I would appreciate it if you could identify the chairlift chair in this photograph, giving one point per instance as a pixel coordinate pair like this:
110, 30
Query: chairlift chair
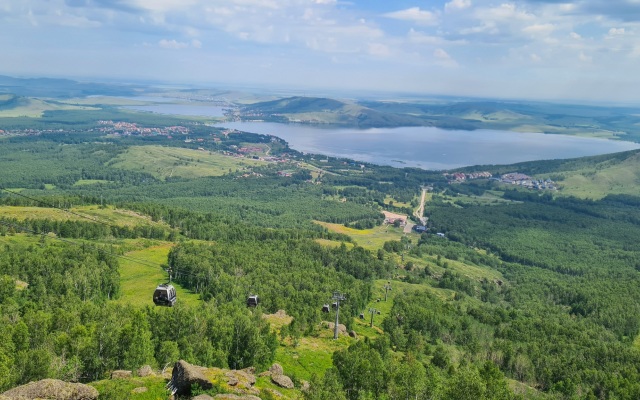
326, 308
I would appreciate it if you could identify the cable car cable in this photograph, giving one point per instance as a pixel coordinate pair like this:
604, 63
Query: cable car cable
59, 208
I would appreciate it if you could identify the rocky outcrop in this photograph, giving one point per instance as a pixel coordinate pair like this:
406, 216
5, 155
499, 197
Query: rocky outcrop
353, 334
184, 376
240, 378
121, 374
276, 369
52, 389
342, 329
145, 371
140, 389
202, 397
278, 377
232, 397
283, 381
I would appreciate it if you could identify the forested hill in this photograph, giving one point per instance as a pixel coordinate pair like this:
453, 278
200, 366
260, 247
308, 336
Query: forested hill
505, 293
326, 111
607, 122
62, 88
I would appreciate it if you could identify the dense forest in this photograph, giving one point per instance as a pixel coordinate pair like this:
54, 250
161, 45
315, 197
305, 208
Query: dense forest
509, 293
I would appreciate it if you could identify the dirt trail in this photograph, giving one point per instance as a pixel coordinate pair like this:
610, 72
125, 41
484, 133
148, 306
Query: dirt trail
419, 213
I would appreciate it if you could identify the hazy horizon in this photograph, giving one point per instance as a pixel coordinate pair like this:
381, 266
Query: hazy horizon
581, 51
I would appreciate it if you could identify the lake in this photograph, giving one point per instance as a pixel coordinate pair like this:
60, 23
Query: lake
180, 109
433, 148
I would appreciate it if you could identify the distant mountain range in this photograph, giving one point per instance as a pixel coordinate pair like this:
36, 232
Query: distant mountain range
62, 88
605, 122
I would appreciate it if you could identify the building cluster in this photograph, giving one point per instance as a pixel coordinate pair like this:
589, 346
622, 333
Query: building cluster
516, 178
250, 149
128, 128
461, 176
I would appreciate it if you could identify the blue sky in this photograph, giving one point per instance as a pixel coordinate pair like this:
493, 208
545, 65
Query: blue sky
585, 50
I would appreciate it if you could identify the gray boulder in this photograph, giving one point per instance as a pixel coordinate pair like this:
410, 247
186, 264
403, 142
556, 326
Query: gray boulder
276, 369
203, 397
121, 374
283, 381
145, 371
52, 389
186, 375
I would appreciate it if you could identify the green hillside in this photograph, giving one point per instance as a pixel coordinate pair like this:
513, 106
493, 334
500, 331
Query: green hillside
590, 121
509, 293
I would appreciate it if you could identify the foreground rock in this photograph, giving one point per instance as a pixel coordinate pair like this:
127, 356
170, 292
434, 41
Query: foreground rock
283, 381
186, 375
342, 329
145, 371
52, 389
203, 397
233, 397
121, 374
276, 369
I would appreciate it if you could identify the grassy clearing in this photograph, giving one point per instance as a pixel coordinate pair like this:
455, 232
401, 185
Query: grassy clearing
391, 201
371, 239
34, 108
311, 354
164, 162
85, 182
138, 281
332, 243
124, 388
19, 238
597, 181
110, 215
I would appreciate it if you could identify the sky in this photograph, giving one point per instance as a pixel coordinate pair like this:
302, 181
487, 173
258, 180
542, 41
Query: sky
587, 50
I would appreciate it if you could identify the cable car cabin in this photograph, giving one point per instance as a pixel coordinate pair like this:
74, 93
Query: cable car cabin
165, 295
252, 301
325, 308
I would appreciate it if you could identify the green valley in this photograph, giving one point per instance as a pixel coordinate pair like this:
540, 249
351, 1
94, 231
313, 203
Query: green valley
505, 293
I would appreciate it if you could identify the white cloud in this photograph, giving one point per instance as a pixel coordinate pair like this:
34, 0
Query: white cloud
172, 44
421, 38
379, 50
575, 36
454, 5
535, 58
616, 31
414, 14
504, 12
539, 29
443, 58
584, 58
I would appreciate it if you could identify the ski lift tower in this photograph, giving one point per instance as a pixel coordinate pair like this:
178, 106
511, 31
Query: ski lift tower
338, 297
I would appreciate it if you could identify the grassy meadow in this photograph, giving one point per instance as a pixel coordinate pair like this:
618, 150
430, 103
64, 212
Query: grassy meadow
370, 239
138, 281
34, 108
166, 162
108, 214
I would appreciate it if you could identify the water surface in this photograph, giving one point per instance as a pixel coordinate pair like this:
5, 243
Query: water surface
433, 148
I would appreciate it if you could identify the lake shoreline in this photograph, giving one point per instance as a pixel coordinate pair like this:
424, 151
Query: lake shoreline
432, 148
